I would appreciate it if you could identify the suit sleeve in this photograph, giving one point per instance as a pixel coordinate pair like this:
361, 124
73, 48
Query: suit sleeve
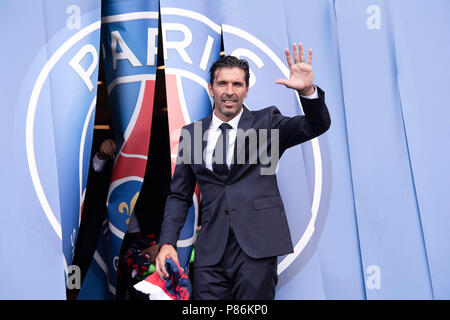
298, 129
179, 200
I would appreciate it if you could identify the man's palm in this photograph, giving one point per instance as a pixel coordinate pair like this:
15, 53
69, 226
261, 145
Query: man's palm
301, 73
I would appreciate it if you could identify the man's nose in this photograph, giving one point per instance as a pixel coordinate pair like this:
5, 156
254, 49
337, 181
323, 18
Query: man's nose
229, 89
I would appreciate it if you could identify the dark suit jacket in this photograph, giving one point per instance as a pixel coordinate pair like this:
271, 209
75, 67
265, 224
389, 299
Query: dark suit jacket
245, 200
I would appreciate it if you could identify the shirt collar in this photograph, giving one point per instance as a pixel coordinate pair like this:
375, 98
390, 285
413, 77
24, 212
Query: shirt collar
216, 122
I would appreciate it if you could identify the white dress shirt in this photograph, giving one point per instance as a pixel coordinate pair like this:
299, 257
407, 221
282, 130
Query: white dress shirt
98, 163
214, 133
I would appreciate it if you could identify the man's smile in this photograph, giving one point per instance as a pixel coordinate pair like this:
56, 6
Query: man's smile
227, 101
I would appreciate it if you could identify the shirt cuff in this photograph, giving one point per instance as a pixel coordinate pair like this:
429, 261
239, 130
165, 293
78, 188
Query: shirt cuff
315, 95
98, 163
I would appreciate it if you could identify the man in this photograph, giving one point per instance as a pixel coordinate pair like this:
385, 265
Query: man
244, 227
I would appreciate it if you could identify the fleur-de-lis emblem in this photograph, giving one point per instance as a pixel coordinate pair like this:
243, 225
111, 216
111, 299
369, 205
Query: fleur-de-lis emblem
129, 210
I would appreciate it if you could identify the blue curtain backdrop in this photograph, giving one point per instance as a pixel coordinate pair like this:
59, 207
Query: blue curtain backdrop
49, 88
372, 238
367, 202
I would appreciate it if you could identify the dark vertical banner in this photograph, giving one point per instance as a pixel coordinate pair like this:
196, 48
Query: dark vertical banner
129, 38
191, 42
50, 95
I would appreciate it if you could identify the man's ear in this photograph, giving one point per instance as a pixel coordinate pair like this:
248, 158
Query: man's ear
210, 90
246, 92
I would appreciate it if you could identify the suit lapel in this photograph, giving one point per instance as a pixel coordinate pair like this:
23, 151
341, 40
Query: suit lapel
240, 148
206, 123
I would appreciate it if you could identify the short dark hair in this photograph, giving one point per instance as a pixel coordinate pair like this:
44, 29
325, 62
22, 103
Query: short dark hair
230, 62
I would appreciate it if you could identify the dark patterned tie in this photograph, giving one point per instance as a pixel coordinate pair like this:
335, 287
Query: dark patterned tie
219, 163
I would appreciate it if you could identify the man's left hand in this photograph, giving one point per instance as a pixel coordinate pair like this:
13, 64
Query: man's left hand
301, 73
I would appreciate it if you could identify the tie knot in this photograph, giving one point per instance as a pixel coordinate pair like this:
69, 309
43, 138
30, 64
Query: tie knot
224, 126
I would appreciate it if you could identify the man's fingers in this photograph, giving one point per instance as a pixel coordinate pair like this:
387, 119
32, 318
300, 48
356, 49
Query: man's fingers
110, 148
174, 257
166, 251
113, 149
288, 57
302, 55
299, 55
310, 55
112, 152
282, 81
157, 268
295, 53
109, 152
107, 149
112, 145
160, 267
